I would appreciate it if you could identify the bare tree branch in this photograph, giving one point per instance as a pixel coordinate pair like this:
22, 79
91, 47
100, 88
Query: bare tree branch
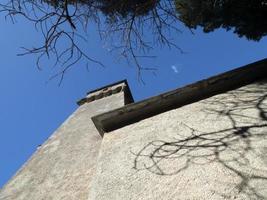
137, 26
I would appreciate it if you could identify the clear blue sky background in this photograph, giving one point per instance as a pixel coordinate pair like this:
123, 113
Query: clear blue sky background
31, 109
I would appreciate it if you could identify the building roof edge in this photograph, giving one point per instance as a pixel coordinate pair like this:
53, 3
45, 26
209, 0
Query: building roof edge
191, 93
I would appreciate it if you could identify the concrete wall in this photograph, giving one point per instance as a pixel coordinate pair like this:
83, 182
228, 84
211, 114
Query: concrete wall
213, 149
63, 167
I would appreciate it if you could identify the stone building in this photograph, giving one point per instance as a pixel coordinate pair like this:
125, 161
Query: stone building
207, 140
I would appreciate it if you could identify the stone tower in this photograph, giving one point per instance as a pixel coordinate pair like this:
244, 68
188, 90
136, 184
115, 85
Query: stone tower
62, 168
206, 140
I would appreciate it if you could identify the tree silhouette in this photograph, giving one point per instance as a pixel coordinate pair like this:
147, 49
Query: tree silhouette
245, 17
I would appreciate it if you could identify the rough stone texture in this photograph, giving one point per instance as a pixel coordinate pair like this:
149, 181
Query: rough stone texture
212, 149
63, 167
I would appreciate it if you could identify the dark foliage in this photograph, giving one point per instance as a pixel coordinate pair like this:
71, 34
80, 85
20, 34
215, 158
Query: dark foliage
113, 8
125, 8
246, 17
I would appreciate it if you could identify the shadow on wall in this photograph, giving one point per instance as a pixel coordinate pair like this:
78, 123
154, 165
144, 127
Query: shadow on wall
237, 143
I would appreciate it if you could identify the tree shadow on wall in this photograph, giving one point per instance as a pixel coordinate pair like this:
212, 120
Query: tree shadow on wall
236, 140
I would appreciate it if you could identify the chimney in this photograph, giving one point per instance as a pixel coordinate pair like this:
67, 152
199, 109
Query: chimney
109, 90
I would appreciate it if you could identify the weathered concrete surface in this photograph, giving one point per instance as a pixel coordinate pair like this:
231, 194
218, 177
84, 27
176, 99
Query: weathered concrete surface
212, 149
62, 168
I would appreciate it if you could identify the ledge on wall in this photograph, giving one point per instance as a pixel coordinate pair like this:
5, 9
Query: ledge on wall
224, 82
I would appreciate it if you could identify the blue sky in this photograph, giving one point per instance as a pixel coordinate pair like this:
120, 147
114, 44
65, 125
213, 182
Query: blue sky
32, 108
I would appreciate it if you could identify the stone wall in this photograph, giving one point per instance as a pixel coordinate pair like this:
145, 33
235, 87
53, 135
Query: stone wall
212, 149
